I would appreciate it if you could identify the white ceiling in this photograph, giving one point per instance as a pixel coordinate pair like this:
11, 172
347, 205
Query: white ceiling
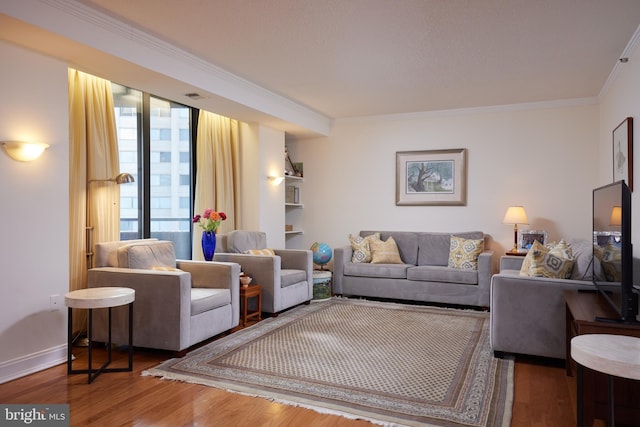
351, 58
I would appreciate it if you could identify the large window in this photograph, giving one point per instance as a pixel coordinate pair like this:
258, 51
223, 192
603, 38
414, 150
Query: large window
154, 140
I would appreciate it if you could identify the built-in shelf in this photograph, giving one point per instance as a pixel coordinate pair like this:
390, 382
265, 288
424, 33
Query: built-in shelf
293, 210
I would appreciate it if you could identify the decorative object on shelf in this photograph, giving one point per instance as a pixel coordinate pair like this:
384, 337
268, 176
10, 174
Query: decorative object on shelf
434, 177
623, 152
24, 151
321, 254
515, 215
209, 221
290, 167
527, 237
245, 280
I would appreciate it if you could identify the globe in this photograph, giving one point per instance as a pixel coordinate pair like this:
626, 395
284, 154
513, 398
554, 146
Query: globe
321, 253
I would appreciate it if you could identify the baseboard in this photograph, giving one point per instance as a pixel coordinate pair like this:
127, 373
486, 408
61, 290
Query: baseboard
31, 363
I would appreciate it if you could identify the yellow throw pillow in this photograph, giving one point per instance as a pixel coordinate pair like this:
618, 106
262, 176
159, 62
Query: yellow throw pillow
267, 252
463, 253
385, 252
362, 247
556, 262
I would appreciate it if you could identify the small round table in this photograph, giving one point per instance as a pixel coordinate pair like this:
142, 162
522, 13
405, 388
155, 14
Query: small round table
322, 285
614, 355
91, 298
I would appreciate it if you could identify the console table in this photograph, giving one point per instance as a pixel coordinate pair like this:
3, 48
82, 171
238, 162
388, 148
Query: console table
581, 310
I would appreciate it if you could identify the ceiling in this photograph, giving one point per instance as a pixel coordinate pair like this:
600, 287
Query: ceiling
352, 58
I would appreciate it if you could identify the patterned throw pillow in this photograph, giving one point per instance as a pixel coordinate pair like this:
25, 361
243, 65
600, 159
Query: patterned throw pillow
163, 268
267, 252
556, 262
385, 252
361, 247
463, 253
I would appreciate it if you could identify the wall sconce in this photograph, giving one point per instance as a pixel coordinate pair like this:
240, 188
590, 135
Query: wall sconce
276, 180
515, 215
24, 151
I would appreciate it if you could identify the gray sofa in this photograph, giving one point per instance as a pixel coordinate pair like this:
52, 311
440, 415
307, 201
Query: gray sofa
424, 276
528, 313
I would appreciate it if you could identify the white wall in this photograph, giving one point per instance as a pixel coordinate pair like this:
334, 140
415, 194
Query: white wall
542, 158
34, 215
622, 100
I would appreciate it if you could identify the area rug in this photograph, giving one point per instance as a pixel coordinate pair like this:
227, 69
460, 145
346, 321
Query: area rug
391, 364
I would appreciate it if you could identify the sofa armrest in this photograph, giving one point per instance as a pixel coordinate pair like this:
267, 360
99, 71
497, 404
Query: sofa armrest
341, 256
207, 274
511, 262
485, 271
528, 314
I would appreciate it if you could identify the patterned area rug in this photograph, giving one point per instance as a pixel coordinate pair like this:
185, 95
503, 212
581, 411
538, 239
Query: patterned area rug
391, 364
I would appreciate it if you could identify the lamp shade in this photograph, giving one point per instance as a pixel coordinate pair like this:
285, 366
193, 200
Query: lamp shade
616, 216
24, 151
515, 215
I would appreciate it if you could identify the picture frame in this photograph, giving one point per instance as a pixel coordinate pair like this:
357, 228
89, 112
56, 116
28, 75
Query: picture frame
623, 152
431, 177
527, 237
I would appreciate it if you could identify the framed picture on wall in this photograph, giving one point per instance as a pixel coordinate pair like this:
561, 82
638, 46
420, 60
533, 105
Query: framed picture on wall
623, 152
433, 177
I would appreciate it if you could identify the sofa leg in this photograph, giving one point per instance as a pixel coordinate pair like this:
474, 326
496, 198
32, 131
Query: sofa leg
498, 354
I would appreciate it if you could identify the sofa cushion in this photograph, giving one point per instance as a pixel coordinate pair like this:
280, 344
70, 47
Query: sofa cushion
463, 253
556, 262
407, 242
239, 241
205, 299
385, 271
157, 253
584, 268
290, 277
385, 252
433, 248
428, 273
361, 247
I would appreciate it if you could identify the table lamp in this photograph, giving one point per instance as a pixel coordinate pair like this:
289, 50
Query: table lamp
515, 215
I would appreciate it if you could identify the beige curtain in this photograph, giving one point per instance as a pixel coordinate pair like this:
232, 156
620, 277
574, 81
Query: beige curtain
218, 165
93, 155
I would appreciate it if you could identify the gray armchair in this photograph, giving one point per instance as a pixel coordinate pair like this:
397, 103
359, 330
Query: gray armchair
286, 278
178, 303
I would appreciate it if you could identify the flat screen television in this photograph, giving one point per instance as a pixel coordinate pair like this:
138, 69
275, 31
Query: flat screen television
613, 250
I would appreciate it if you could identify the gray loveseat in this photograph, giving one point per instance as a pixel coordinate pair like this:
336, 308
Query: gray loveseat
424, 276
528, 313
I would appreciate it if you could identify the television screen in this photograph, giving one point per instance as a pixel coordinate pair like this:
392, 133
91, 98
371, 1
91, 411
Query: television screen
612, 248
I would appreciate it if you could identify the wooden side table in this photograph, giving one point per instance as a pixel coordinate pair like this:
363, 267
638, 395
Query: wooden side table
246, 292
614, 355
91, 298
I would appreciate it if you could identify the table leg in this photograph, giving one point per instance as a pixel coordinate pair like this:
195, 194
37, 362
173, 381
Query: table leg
69, 338
131, 336
612, 408
580, 405
90, 337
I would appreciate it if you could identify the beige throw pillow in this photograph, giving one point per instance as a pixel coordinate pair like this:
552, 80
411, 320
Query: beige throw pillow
463, 253
362, 247
385, 252
267, 252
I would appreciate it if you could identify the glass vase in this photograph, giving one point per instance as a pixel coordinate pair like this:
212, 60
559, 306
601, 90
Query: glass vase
208, 244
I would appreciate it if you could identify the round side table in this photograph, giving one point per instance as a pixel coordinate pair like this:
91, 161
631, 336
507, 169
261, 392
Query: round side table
614, 355
322, 285
90, 299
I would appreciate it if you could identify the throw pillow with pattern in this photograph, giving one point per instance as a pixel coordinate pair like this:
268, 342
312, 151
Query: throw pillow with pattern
464, 253
362, 247
556, 262
267, 252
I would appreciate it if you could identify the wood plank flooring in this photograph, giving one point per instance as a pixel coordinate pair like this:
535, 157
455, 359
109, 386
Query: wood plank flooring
544, 397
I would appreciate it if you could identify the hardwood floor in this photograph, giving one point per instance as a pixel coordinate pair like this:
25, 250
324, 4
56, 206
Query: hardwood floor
544, 397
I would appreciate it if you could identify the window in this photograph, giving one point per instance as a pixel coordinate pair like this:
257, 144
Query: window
159, 131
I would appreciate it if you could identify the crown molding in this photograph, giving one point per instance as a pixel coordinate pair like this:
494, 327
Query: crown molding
626, 53
107, 34
562, 103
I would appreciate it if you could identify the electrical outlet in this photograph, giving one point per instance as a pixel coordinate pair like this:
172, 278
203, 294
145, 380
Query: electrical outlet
55, 302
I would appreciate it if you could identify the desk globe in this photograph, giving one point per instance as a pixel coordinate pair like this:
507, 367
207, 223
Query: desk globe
321, 254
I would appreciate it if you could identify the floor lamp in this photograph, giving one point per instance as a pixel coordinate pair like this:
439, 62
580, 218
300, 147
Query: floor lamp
122, 178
